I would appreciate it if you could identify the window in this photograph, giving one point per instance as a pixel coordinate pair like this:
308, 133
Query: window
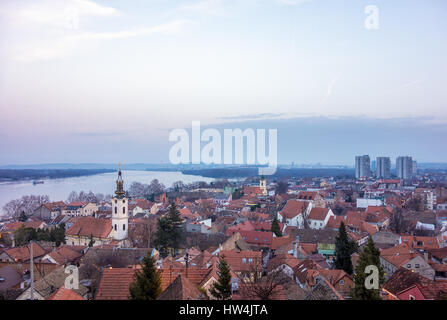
124, 201
244, 260
408, 265
342, 282
417, 265
116, 209
124, 227
115, 227
124, 209
256, 238
250, 260
412, 297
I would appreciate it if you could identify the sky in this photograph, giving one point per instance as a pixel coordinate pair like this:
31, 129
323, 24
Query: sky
106, 81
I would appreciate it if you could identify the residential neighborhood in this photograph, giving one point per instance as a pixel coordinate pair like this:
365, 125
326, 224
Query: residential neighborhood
294, 239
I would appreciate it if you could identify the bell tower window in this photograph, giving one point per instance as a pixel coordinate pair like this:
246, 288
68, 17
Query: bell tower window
116, 210
124, 209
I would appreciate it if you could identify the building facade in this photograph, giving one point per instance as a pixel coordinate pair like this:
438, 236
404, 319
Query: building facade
362, 167
383, 169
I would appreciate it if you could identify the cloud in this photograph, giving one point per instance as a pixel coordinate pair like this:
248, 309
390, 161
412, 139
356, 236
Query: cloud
292, 2
68, 43
330, 88
209, 7
64, 14
255, 116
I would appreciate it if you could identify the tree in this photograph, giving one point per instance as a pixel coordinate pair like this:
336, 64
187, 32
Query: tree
169, 233
237, 194
254, 285
221, 289
23, 236
398, 223
415, 203
276, 229
370, 256
344, 248
92, 241
23, 217
25, 204
281, 187
147, 281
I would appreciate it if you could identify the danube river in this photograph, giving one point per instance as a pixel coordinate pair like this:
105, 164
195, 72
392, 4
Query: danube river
59, 189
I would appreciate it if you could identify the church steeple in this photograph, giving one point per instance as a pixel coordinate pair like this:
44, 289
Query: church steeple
119, 184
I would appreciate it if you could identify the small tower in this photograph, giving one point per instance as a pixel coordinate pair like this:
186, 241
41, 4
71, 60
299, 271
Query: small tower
263, 185
120, 210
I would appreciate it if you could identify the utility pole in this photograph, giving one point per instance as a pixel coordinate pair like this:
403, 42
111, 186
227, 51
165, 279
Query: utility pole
32, 271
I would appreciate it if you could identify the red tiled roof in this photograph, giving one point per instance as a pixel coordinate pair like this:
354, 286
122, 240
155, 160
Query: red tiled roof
65, 294
89, 226
22, 254
114, 283
236, 262
261, 238
293, 208
318, 213
64, 254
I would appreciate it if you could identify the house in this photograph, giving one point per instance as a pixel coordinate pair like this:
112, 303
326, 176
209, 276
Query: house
284, 263
420, 243
319, 217
79, 208
64, 255
403, 256
244, 264
182, 289
294, 212
407, 285
49, 211
65, 294
114, 282
22, 254
313, 196
257, 238
87, 228
47, 286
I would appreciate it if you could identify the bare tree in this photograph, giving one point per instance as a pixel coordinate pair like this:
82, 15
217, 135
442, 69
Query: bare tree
398, 223
256, 284
25, 204
143, 234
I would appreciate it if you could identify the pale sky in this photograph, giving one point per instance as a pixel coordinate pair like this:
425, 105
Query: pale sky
103, 81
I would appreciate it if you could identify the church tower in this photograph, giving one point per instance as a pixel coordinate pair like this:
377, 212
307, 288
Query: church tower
120, 210
263, 185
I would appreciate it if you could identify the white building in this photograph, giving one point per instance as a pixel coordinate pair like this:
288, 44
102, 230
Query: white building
120, 211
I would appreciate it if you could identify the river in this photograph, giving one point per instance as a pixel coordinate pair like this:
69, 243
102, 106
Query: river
59, 189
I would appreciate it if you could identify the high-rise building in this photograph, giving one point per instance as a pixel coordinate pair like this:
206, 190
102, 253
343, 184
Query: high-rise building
362, 167
415, 168
404, 167
383, 169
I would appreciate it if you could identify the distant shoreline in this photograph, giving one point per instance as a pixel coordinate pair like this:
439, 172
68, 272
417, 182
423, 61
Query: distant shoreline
25, 175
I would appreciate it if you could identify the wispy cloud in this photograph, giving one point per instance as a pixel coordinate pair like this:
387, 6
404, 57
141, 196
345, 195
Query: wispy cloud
66, 44
209, 7
292, 2
330, 88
